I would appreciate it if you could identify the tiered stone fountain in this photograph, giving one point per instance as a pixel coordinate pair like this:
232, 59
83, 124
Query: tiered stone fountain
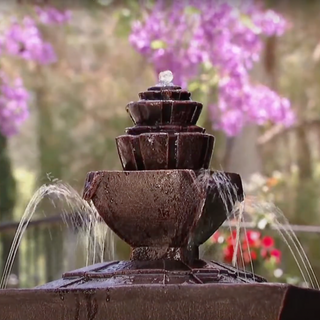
164, 204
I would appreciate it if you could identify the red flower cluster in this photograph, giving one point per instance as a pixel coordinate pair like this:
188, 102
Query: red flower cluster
251, 246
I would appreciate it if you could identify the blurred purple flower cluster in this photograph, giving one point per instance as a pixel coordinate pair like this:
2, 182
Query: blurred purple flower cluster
50, 15
23, 39
187, 35
13, 105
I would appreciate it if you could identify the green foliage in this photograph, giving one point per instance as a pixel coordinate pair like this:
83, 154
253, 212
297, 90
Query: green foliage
7, 183
191, 10
125, 14
25, 185
7, 197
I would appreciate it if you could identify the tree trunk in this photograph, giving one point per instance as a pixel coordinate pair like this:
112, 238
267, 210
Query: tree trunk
7, 201
244, 157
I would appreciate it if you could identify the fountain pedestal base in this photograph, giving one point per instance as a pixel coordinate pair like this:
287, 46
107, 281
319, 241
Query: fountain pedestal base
159, 302
158, 290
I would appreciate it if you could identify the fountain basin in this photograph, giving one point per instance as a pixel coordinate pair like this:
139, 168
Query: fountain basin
147, 208
160, 209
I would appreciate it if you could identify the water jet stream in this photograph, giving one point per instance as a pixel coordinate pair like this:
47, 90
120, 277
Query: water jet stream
273, 215
77, 215
227, 192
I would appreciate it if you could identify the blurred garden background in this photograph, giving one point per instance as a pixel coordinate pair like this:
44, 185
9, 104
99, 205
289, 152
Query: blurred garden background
69, 68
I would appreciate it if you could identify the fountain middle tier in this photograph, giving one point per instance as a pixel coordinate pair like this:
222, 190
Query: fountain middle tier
162, 210
161, 150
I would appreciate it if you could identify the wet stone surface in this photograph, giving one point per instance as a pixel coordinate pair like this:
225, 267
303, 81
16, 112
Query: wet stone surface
119, 273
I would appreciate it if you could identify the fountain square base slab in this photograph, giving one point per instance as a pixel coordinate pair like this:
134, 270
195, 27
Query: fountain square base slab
161, 302
160, 290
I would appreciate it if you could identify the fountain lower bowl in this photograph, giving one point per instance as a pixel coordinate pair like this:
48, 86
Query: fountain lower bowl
147, 208
160, 209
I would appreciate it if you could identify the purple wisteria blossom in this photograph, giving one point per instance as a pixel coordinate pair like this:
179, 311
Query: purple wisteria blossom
50, 15
187, 35
163, 37
13, 105
24, 40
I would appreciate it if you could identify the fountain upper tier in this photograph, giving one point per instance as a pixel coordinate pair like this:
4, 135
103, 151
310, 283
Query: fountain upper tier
165, 105
165, 135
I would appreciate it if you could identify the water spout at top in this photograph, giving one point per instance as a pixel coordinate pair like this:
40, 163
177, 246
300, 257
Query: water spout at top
165, 78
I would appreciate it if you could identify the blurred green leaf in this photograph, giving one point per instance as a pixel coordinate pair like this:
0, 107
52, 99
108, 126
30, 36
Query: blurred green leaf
190, 10
105, 2
193, 86
247, 21
124, 21
158, 44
